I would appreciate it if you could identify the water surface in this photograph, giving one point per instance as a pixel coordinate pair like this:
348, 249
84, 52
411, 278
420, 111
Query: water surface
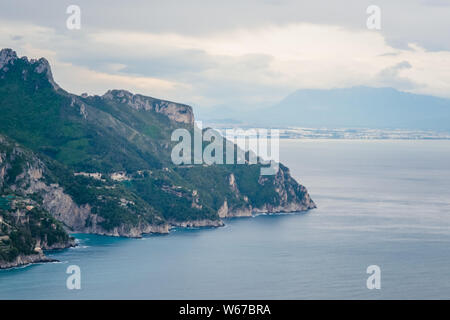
379, 202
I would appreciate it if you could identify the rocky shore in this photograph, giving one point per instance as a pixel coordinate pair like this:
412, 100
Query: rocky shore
23, 260
38, 257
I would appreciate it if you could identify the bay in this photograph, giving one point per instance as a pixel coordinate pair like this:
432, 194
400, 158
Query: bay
380, 202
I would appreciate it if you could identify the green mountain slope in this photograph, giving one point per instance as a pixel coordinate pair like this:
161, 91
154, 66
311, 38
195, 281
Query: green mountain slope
106, 159
26, 227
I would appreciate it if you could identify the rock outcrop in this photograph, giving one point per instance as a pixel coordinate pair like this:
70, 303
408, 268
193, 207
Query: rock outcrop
8, 57
22, 260
30, 181
174, 111
198, 223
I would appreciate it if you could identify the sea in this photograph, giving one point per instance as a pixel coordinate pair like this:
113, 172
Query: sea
382, 205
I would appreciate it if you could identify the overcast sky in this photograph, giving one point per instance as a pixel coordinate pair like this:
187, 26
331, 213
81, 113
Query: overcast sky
234, 53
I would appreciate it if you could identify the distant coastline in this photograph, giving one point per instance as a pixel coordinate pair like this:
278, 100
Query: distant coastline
345, 133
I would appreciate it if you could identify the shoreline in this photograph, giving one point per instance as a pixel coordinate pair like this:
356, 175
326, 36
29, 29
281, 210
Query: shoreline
39, 257
26, 260
23, 261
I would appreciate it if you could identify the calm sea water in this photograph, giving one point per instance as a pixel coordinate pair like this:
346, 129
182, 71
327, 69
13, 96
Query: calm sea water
384, 203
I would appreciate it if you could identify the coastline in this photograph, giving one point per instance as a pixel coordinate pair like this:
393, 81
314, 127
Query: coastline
25, 260
39, 257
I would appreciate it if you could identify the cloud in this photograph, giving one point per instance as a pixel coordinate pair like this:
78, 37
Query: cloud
81, 79
282, 58
245, 66
15, 38
424, 22
391, 77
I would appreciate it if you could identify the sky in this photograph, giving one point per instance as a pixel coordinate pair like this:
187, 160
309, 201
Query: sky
234, 54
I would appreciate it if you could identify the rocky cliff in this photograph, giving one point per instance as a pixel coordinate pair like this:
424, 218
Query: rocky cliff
174, 111
102, 164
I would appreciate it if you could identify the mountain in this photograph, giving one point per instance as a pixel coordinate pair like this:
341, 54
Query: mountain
101, 164
26, 227
358, 107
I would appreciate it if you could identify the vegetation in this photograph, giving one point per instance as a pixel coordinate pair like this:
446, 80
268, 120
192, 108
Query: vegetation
68, 134
21, 230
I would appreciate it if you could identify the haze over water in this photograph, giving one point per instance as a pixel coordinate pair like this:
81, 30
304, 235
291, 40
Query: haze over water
381, 202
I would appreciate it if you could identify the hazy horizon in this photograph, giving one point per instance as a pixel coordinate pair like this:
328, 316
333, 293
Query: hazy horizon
234, 54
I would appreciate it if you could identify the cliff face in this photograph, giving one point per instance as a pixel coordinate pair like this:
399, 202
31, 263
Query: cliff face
22, 260
102, 164
174, 111
288, 196
23, 174
26, 227
8, 58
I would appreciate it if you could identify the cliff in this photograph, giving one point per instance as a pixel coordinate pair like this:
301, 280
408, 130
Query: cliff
174, 111
102, 164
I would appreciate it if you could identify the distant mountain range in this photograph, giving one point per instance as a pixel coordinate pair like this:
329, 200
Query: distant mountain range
356, 107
